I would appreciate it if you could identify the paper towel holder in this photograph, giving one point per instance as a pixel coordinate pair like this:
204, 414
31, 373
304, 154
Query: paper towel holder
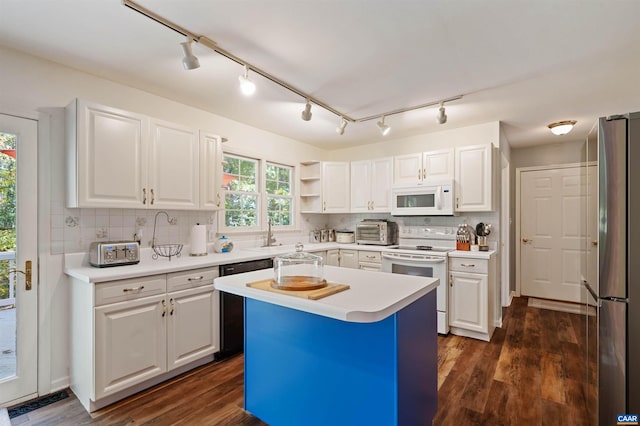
204, 235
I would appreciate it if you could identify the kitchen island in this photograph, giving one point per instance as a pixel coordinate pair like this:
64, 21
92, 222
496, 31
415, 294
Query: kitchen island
367, 355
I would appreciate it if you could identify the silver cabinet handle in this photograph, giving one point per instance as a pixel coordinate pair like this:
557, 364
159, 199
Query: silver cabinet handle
144, 195
200, 278
419, 174
369, 256
324, 206
133, 289
468, 266
219, 200
152, 197
164, 308
172, 307
424, 174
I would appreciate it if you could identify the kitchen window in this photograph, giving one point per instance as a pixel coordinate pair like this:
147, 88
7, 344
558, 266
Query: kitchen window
279, 194
256, 190
242, 197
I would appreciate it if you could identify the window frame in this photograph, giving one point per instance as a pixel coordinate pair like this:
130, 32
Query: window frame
262, 205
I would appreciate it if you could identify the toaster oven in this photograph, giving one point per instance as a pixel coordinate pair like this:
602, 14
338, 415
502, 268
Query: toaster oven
376, 231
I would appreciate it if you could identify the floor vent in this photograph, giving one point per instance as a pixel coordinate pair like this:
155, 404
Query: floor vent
37, 403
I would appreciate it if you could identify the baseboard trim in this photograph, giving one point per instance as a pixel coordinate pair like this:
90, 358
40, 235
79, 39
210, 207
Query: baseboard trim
556, 305
60, 384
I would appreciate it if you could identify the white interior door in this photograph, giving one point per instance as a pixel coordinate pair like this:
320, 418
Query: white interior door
18, 281
552, 240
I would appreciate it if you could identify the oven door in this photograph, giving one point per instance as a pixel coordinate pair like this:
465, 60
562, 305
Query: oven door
422, 266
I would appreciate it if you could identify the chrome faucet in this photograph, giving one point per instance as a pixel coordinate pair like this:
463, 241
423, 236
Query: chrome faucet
271, 240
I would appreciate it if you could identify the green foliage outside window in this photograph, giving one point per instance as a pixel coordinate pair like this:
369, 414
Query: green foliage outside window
241, 199
279, 198
7, 207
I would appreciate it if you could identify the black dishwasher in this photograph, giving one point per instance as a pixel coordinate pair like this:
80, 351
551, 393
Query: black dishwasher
232, 309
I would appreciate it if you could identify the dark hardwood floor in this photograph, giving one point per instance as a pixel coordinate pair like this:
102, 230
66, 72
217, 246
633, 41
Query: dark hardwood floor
531, 373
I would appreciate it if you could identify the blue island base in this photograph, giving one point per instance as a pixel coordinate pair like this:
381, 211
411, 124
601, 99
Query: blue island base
306, 369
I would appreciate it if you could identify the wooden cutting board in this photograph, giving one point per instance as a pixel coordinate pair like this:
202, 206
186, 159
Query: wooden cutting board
331, 288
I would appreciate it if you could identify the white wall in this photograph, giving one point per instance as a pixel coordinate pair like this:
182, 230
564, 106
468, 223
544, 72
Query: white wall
29, 84
472, 135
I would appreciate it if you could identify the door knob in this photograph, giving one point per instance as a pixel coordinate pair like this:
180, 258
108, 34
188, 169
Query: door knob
526, 240
27, 274
594, 243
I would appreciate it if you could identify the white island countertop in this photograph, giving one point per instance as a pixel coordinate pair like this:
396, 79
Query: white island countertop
372, 296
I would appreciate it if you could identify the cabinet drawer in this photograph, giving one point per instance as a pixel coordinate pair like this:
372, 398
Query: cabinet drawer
465, 264
369, 256
134, 288
191, 279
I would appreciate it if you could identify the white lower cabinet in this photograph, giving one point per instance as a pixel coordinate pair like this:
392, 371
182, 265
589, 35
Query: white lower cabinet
130, 334
369, 260
332, 258
349, 258
472, 296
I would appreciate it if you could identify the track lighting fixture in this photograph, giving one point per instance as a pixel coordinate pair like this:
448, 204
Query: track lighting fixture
247, 87
189, 61
341, 126
442, 117
562, 127
306, 113
384, 129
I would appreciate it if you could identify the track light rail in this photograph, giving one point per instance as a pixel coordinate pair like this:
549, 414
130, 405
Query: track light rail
204, 41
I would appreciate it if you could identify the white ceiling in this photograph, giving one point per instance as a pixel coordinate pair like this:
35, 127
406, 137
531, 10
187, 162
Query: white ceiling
524, 63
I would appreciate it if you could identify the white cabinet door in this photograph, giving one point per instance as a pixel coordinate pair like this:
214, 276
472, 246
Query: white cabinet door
106, 156
468, 301
335, 187
381, 180
375, 267
407, 169
130, 343
174, 171
361, 186
211, 190
333, 257
349, 259
193, 325
437, 164
473, 178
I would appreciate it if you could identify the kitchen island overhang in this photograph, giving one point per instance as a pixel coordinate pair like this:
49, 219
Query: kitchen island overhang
367, 355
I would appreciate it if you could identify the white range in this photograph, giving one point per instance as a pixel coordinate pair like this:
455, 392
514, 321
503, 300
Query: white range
422, 251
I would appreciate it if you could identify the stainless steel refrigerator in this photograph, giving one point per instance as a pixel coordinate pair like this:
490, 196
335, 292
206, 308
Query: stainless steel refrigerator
613, 338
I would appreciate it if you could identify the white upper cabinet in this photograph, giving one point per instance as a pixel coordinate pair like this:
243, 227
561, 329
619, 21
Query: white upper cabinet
119, 159
173, 179
335, 187
324, 187
106, 156
371, 185
415, 169
211, 190
474, 169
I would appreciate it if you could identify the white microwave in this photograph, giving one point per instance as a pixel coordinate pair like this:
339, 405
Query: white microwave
432, 199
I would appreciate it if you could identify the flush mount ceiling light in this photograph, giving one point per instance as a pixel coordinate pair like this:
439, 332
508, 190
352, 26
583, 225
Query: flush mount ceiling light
384, 129
341, 126
442, 117
247, 87
306, 113
189, 61
562, 127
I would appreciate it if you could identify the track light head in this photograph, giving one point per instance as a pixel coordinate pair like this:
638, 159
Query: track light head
384, 129
442, 117
247, 87
341, 126
189, 60
306, 113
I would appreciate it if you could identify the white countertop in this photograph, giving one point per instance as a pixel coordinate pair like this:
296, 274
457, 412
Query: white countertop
77, 264
472, 254
373, 296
